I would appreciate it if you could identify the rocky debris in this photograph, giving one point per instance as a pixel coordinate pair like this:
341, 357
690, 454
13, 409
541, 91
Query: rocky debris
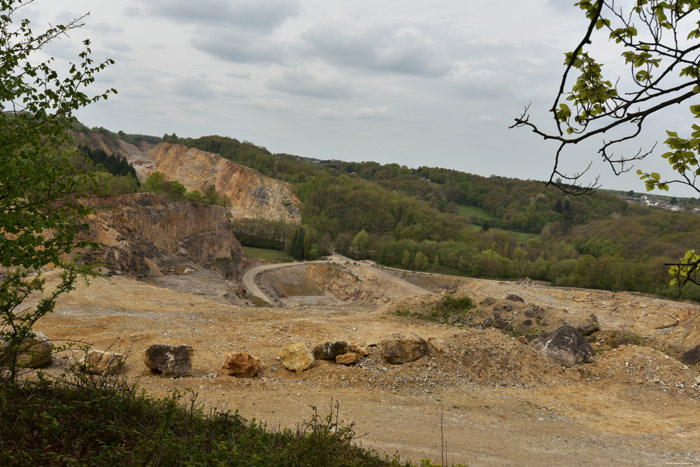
488, 301
169, 360
361, 352
565, 346
98, 362
241, 365
515, 298
691, 356
34, 352
535, 312
329, 350
501, 323
349, 358
297, 357
401, 348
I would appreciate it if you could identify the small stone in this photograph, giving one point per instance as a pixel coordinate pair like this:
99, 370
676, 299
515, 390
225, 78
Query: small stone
241, 365
349, 358
691, 356
97, 362
34, 352
297, 357
330, 349
401, 348
169, 360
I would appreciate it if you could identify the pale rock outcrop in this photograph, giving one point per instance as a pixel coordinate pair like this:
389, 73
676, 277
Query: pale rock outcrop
251, 194
400, 348
169, 360
565, 346
297, 357
241, 365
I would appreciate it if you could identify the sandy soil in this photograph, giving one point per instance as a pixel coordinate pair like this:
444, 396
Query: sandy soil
482, 396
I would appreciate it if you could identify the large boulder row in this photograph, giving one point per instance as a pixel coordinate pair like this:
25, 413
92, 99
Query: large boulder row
297, 357
34, 352
400, 348
241, 365
565, 346
169, 360
692, 356
98, 362
330, 349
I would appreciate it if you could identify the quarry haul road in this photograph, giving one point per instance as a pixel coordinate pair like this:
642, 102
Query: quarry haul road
251, 276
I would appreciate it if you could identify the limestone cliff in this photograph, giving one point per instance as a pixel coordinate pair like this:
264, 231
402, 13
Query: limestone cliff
143, 233
251, 194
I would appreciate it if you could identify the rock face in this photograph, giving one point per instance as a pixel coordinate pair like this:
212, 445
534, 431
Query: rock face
251, 194
399, 348
169, 360
34, 352
692, 356
139, 231
97, 362
565, 346
297, 357
331, 349
241, 365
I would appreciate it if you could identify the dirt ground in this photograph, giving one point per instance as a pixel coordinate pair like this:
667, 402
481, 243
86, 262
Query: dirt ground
481, 396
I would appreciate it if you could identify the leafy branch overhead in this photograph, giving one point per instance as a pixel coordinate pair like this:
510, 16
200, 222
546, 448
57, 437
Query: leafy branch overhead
659, 43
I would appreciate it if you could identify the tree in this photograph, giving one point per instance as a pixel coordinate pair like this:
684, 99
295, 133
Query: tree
41, 177
659, 42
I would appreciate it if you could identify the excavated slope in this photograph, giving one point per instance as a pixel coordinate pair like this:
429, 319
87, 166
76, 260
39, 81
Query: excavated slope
252, 195
143, 233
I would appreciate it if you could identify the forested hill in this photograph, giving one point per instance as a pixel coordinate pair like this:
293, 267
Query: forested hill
449, 221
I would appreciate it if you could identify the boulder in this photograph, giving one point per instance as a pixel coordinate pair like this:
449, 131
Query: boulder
401, 348
34, 352
565, 346
297, 357
241, 365
692, 356
169, 360
515, 298
330, 349
349, 358
97, 362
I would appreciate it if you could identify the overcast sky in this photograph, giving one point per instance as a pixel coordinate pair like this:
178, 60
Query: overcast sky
416, 82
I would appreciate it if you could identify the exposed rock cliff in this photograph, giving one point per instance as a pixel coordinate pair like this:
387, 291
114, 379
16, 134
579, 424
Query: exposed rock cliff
143, 233
252, 195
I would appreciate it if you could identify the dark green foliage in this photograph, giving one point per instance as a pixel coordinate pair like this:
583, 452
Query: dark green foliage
113, 164
47, 424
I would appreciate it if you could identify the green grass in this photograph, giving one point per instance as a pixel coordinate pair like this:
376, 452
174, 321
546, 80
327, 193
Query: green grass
273, 255
468, 211
47, 423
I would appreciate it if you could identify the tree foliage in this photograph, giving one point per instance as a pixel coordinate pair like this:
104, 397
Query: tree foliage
659, 42
41, 177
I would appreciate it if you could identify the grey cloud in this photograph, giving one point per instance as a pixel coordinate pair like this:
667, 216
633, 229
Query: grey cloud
405, 50
117, 46
305, 84
250, 14
330, 114
237, 46
377, 113
193, 88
